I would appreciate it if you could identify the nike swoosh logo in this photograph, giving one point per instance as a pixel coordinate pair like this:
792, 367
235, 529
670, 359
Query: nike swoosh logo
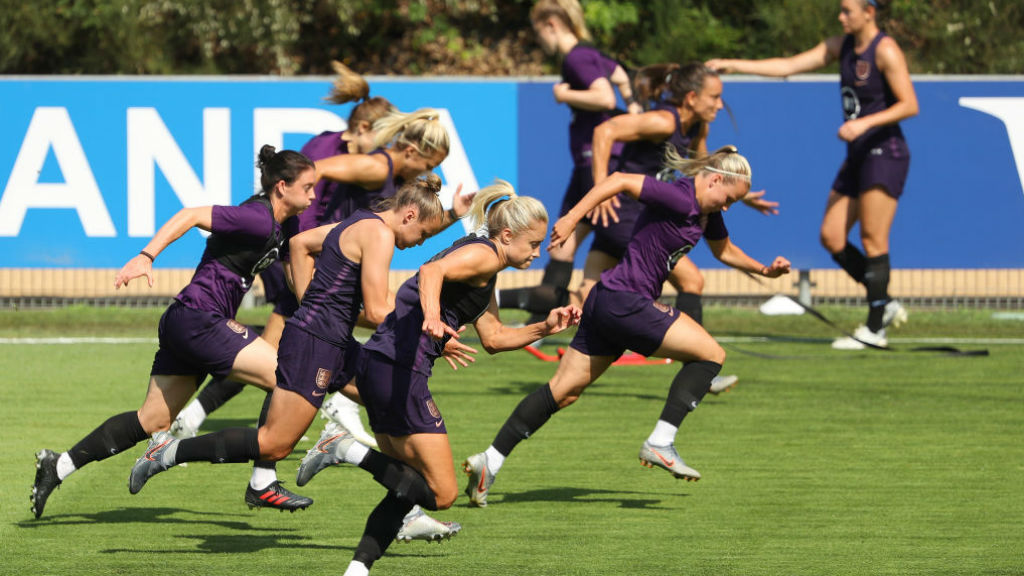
149, 453
320, 394
666, 462
326, 441
438, 423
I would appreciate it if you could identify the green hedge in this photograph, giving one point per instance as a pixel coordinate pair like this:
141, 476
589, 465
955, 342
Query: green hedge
487, 37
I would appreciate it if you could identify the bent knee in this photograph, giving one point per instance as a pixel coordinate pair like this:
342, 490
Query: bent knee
716, 354
446, 498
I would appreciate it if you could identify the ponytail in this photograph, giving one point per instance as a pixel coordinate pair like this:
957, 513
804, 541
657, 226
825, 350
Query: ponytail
421, 192
421, 129
726, 161
284, 165
351, 87
498, 207
670, 82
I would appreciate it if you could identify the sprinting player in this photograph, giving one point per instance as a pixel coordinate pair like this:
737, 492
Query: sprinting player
876, 95
454, 288
318, 354
589, 81
681, 102
622, 310
357, 138
198, 332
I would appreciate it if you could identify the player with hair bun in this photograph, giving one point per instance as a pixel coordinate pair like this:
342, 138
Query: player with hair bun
198, 332
454, 288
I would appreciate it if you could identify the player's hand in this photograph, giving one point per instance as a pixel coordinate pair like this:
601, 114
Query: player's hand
605, 211
722, 65
456, 351
461, 202
437, 329
756, 201
138, 266
852, 129
779, 267
561, 318
561, 91
561, 231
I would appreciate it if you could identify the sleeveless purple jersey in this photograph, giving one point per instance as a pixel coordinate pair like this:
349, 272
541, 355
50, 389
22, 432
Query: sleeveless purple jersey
347, 198
332, 302
669, 226
324, 145
864, 91
400, 337
580, 68
244, 240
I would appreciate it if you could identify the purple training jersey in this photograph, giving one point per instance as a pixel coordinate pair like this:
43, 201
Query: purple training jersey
324, 145
244, 240
401, 338
583, 65
865, 91
669, 227
347, 198
330, 307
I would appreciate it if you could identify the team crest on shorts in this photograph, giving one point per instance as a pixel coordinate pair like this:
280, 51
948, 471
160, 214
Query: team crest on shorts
432, 408
238, 328
665, 309
323, 378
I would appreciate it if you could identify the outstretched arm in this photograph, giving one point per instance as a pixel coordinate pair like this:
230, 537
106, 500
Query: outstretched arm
497, 337
818, 57
731, 255
368, 171
631, 184
142, 265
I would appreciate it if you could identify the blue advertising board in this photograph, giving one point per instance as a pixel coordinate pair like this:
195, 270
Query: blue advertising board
91, 167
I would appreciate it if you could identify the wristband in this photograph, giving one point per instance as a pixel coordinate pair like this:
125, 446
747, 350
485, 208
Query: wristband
452, 214
148, 255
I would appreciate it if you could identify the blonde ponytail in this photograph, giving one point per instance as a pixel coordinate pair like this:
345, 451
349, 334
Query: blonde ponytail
726, 161
498, 207
421, 129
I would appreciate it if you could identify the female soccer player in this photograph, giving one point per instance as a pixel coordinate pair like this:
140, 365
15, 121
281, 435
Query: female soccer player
454, 288
682, 101
876, 95
357, 138
588, 76
622, 310
198, 332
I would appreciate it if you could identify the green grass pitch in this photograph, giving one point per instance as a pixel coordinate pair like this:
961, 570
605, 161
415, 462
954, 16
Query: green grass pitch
818, 462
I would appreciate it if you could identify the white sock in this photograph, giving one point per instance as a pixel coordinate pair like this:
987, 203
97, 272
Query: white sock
356, 569
663, 434
355, 453
193, 415
495, 460
64, 466
262, 477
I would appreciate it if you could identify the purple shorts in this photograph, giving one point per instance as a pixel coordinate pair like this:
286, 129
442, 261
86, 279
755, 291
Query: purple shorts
312, 367
883, 166
581, 181
198, 342
276, 289
613, 239
397, 399
615, 321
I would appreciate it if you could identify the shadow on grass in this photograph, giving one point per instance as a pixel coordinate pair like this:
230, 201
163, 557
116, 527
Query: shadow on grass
589, 496
521, 388
236, 543
163, 516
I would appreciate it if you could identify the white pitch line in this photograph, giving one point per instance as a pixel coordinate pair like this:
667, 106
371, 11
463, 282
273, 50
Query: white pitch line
78, 340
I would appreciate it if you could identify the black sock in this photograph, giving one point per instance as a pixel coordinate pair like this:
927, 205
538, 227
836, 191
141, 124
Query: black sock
268, 464
531, 413
114, 436
852, 260
402, 480
223, 446
381, 528
688, 389
552, 292
690, 304
876, 278
217, 392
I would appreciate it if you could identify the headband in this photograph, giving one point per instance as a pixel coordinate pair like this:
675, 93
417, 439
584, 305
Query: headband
744, 177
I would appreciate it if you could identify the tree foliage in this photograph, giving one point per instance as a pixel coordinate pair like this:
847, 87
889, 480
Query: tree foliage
457, 37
